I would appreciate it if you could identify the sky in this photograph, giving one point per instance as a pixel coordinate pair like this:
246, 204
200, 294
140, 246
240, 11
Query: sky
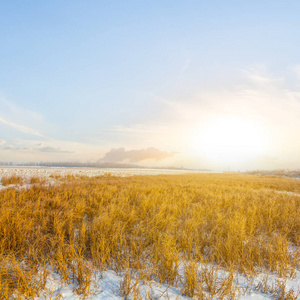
195, 84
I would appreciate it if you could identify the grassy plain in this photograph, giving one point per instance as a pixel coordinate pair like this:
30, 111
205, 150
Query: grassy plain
149, 228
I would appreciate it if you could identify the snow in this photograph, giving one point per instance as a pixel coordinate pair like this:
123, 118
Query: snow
289, 193
29, 172
295, 174
107, 285
46, 173
255, 297
24, 186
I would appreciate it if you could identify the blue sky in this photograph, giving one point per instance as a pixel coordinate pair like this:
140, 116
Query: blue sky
79, 78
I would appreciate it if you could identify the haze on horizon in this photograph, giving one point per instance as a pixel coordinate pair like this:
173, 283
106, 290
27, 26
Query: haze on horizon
195, 84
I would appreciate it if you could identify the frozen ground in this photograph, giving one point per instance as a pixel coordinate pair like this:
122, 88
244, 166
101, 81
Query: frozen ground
46, 172
289, 193
107, 286
281, 173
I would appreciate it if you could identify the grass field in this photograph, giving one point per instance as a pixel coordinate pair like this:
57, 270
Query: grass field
205, 236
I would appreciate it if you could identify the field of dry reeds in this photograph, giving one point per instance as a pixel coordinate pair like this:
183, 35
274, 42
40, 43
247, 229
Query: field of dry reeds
174, 229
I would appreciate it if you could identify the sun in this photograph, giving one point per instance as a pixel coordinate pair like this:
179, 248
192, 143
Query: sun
230, 139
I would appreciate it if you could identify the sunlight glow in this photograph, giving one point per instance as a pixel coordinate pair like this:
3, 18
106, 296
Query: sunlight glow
230, 139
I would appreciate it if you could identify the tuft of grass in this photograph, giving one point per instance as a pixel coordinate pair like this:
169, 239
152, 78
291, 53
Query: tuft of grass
190, 279
37, 180
12, 179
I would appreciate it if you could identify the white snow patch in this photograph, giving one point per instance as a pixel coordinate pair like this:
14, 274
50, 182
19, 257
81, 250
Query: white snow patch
107, 286
29, 172
289, 193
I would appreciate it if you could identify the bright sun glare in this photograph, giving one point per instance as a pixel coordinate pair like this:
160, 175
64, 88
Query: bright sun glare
230, 140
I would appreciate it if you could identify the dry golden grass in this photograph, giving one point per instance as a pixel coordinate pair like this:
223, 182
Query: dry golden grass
144, 227
12, 179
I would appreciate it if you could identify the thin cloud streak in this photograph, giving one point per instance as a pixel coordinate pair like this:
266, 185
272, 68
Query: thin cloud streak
13, 148
21, 128
139, 129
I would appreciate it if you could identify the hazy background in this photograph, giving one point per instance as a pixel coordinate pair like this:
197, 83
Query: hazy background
138, 81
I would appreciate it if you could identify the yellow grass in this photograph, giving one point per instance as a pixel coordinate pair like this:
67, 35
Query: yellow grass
146, 226
12, 179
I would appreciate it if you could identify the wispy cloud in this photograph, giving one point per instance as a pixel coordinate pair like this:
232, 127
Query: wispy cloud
9, 147
139, 129
13, 148
134, 156
16, 111
45, 149
2, 142
21, 128
49, 149
184, 67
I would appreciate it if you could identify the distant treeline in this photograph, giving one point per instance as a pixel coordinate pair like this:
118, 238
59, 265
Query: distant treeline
71, 164
85, 165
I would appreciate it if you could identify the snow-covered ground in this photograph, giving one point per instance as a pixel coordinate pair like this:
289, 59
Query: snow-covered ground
23, 186
107, 286
281, 173
289, 193
46, 172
